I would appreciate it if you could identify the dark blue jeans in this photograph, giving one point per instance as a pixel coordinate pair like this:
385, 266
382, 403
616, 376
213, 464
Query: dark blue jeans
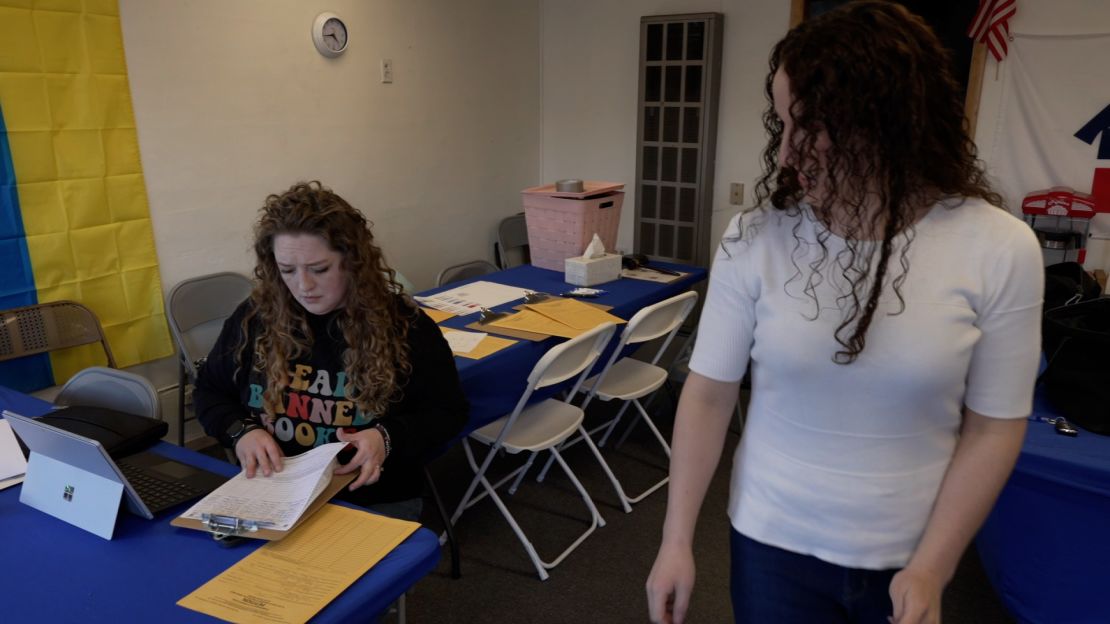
770, 584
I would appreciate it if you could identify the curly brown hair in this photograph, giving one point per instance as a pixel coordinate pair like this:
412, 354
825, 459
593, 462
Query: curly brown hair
876, 80
374, 326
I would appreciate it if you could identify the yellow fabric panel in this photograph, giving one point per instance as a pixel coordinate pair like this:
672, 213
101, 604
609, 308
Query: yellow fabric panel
95, 252
25, 101
32, 156
136, 245
50, 213
71, 126
19, 51
102, 34
78, 154
70, 102
102, 7
55, 264
113, 98
73, 6
121, 155
85, 202
61, 42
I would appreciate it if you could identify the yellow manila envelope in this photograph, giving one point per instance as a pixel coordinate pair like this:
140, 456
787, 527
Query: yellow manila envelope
574, 313
326, 554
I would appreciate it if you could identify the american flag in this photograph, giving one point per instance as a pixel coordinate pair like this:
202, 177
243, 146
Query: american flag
990, 25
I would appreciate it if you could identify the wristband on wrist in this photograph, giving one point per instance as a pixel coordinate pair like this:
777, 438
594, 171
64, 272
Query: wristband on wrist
385, 438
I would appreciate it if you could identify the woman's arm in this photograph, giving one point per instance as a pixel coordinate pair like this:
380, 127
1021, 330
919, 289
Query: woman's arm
434, 408
985, 455
701, 422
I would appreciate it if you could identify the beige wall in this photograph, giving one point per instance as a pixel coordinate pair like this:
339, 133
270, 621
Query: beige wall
233, 102
590, 74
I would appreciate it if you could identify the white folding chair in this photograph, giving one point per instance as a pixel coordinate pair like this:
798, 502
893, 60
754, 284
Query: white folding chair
629, 380
539, 427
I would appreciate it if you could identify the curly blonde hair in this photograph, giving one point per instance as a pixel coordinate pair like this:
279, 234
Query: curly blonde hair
374, 326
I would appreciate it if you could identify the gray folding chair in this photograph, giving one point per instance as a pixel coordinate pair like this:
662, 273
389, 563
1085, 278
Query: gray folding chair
539, 427
466, 270
50, 326
196, 309
111, 388
511, 248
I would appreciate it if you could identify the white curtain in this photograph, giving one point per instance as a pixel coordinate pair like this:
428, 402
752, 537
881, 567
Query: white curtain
1052, 85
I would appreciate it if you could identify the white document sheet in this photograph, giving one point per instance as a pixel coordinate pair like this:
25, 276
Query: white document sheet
463, 342
472, 298
279, 499
12, 463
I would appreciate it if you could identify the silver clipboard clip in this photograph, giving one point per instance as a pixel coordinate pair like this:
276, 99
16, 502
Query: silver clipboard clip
487, 315
535, 297
224, 527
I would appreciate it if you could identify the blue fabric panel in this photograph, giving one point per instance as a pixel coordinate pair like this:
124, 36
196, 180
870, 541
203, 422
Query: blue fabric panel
17, 283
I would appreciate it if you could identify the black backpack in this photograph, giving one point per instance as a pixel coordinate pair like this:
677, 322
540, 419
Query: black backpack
1076, 340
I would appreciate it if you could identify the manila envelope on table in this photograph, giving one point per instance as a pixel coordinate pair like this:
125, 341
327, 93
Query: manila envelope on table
330, 551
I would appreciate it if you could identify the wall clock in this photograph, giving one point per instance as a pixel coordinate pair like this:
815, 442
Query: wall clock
329, 35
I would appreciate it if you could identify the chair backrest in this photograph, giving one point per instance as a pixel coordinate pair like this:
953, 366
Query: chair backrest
660, 319
466, 270
562, 362
512, 241
111, 388
196, 309
45, 327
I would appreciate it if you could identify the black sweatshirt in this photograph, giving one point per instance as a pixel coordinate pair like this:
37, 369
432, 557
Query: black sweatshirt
431, 409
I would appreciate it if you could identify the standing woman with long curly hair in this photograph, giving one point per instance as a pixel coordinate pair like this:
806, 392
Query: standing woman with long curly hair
328, 349
890, 314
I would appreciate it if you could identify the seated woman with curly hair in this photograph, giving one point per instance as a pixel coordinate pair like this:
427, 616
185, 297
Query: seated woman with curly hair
328, 349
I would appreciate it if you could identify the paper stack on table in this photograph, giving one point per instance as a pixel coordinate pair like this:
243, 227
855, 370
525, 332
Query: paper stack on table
12, 463
471, 298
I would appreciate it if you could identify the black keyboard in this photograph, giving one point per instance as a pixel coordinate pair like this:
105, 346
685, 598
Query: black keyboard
158, 494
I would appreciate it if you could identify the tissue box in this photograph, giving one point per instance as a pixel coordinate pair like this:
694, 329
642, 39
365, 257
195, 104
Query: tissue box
583, 271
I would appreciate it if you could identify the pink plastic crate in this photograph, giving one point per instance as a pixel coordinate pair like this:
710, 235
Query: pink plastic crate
560, 225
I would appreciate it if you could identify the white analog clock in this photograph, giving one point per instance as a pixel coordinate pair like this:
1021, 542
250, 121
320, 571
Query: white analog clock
329, 34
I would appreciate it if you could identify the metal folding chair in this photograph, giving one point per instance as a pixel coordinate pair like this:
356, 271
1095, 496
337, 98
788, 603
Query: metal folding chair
511, 248
98, 386
196, 309
465, 270
629, 379
536, 428
46, 327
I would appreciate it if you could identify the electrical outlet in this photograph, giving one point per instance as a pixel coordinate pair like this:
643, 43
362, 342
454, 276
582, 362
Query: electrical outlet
736, 194
387, 71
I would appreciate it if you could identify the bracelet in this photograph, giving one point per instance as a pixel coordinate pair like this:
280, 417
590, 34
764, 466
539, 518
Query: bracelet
385, 438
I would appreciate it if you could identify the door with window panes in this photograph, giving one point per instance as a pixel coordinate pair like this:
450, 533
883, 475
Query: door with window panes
680, 68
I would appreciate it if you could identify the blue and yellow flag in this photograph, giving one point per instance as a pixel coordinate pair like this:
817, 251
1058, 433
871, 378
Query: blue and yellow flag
74, 219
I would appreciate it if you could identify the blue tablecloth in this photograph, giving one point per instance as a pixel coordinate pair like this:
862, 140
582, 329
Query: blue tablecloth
1046, 544
55, 572
494, 384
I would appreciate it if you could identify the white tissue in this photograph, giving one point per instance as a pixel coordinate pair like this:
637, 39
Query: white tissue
595, 249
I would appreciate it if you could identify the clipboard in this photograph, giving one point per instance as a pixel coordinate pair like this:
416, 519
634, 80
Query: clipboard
224, 527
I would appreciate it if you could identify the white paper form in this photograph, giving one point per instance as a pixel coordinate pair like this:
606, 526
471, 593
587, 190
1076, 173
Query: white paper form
279, 499
463, 342
473, 297
12, 463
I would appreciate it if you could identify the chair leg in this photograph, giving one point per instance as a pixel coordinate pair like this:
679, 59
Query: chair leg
181, 381
605, 467
449, 529
613, 425
540, 565
650, 424
523, 471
